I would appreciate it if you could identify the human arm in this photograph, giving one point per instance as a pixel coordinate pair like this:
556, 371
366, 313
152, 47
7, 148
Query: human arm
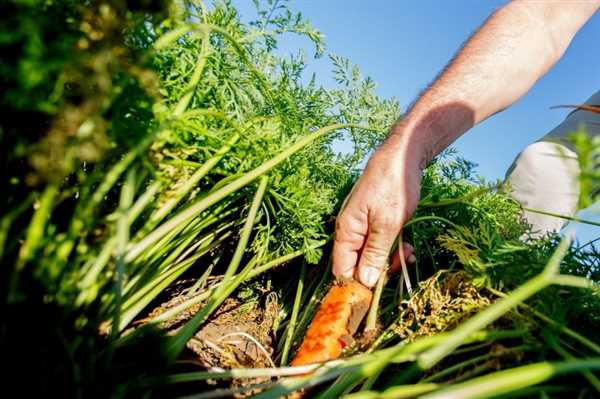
496, 66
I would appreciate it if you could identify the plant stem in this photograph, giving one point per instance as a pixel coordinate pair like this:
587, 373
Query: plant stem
122, 237
6, 222
574, 281
134, 305
291, 328
564, 329
178, 342
432, 217
174, 311
396, 392
558, 215
506, 381
371, 322
34, 236
468, 362
89, 207
463, 198
189, 184
587, 374
216, 196
184, 101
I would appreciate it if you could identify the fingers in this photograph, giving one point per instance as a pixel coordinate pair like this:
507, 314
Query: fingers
382, 233
344, 260
366, 240
350, 231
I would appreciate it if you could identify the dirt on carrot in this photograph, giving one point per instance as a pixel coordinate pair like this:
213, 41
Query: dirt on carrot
337, 319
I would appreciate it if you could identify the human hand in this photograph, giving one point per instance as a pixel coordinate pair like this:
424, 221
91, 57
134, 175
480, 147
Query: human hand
372, 216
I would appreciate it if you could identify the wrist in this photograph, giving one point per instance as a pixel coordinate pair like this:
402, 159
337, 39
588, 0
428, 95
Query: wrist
411, 143
428, 130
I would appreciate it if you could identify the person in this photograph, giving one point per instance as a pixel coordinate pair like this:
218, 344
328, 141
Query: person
501, 61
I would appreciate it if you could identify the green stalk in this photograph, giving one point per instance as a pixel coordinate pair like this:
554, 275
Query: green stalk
355, 369
458, 366
255, 271
558, 215
80, 220
122, 237
371, 322
282, 259
366, 370
397, 392
291, 328
312, 303
190, 183
574, 281
218, 195
7, 220
90, 279
113, 175
91, 273
142, 202
370, 381
432, 217
474, 372
178, 342
170, 247
340, 365
429, 358
172, 36
587, 374
462, 199
270, 372
151, 290
293, 384
33, 236
35, 231
184, 101
246, 232
143, 281
563, 329
319, 373
202, 281
506, 381
172, 251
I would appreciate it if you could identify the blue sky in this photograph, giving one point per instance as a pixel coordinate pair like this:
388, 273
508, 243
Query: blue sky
402, 45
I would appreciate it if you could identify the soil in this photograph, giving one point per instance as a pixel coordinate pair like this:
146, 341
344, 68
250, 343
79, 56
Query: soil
237, 335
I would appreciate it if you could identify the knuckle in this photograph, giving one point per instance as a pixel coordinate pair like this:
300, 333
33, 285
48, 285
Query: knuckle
374, 258
341, 228
341, 221
388, 223
375, 255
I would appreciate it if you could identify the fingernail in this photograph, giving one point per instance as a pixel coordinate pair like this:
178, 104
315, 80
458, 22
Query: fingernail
412, 259
368, 276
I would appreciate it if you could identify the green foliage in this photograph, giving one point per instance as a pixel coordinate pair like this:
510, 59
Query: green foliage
155, 126
588, 154
165, 147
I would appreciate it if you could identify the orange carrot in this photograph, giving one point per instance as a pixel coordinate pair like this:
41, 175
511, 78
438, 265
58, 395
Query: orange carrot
338, 317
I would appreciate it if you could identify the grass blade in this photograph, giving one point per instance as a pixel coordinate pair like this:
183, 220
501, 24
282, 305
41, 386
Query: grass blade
506, 381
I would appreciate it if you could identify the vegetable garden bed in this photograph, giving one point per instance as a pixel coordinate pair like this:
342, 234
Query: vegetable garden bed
169, 196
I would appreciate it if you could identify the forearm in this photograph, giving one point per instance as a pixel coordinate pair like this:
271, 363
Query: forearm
497, 65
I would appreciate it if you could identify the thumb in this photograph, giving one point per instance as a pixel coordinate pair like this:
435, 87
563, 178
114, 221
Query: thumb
374, 256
